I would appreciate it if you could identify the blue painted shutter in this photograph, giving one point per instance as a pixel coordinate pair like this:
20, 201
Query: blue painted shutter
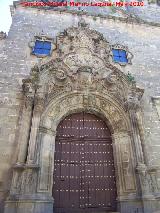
42, 47
119, 55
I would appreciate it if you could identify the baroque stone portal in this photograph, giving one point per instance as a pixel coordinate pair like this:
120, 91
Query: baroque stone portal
81, 77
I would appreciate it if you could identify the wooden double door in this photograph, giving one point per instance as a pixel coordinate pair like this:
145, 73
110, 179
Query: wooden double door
84, 173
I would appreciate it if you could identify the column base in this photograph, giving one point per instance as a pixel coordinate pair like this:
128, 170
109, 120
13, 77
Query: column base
29, 206
151, 206
131, 206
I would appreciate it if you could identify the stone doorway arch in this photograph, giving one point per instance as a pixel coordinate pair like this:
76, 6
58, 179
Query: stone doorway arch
81, 80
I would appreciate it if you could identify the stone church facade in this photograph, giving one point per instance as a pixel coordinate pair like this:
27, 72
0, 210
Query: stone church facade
80, 74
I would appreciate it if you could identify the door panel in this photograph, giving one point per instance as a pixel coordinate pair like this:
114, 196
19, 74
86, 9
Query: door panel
84, 174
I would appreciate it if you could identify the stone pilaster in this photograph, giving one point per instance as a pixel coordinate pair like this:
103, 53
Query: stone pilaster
152, 170
149, 201
37, 110
133, 105
140, 124
45, 181
24, 131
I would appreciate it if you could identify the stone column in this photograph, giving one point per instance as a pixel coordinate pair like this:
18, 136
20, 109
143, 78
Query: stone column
135, 135
141, 168
133, 106
37, 111
24, 131
23, 139
140, 125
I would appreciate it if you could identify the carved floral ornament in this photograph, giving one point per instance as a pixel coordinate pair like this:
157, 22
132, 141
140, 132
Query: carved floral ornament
83, 63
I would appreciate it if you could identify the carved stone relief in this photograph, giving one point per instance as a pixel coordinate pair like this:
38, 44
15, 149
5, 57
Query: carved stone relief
125, 166
73, 103
81, 78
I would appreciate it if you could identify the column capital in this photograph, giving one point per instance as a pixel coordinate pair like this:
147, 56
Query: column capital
133, 99
132, 103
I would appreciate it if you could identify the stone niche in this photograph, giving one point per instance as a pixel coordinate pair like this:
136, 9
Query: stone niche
82, 77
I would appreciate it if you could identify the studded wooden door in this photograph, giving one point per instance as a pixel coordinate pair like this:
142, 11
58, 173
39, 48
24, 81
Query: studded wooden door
84, 174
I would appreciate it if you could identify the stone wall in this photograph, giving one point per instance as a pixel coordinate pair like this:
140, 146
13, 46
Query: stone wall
16, 62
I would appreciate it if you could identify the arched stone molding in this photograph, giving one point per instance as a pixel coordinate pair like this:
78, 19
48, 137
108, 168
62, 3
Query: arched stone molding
114, 115
80, 77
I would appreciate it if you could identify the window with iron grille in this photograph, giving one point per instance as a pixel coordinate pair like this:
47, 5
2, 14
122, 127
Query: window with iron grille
42, 48
119, 55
